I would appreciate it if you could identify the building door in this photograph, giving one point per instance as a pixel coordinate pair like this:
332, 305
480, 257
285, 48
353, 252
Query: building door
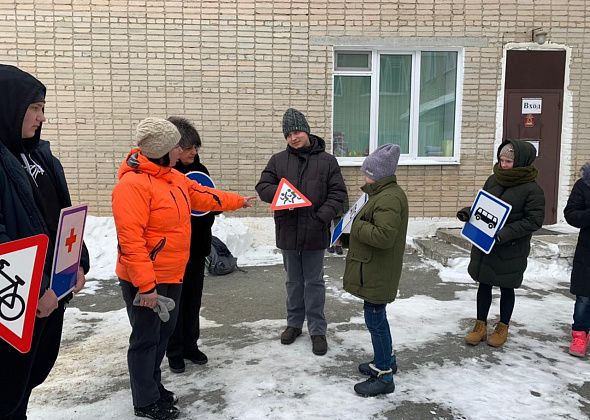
532, 112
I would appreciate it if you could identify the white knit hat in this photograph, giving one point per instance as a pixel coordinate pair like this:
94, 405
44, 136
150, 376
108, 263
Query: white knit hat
156, 137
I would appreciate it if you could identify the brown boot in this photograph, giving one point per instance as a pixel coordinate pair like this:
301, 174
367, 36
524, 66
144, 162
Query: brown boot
478, 334
499, 336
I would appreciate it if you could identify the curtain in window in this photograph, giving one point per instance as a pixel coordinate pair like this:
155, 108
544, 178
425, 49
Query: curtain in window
352, 115
395, 83
438, 90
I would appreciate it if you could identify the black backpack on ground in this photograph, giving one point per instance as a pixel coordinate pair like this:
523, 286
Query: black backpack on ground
221, 261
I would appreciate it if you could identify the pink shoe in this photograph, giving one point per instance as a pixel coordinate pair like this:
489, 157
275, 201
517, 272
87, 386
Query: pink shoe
579, 343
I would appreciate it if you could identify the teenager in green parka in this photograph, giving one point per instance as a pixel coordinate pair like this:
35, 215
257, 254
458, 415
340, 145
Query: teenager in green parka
374, 262
513, 181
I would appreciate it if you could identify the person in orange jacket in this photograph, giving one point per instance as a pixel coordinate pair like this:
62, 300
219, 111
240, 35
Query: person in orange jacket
152, 205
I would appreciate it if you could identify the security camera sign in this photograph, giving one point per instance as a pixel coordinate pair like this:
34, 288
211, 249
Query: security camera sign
487, 216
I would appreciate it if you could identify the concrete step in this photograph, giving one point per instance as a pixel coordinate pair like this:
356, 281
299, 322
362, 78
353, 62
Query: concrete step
453, 236
440, 250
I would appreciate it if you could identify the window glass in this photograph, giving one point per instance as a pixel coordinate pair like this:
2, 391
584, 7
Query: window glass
395, 84
438, 92
353, 60
352, 115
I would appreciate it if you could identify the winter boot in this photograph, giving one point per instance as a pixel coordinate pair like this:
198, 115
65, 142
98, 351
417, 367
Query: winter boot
579, 343
166, 396
365, 369
157, 411
176, 364
319, 345
380, 382
290, 334
499, 336
478, 334
196, 356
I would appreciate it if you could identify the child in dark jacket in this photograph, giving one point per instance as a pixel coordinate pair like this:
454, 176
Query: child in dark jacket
577, 214
374, 262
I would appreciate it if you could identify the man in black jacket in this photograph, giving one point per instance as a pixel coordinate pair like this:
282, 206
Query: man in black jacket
183, 342
33, 191
303, 233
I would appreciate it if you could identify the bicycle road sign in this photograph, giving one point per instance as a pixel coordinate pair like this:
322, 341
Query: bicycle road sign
21, 271
288, 197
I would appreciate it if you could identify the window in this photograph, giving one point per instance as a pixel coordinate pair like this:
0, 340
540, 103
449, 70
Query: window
410, 98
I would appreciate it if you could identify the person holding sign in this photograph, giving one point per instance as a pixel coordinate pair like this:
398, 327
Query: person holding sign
152, 205
577, 214
303, 233
513, 181
374, 262
183, 342
33, 190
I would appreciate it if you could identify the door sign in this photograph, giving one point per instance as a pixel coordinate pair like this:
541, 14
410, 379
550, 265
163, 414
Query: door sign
203, 179
68, 249
288, 197
529, 121
345, 223
488, 215
532, 105
21, 271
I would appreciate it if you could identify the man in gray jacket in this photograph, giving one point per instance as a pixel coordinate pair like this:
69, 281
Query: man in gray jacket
303, 233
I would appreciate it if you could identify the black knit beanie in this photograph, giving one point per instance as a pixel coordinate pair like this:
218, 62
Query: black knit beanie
294, 120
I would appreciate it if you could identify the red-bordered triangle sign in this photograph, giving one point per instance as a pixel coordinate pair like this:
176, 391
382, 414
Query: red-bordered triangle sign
288, 197
21, 270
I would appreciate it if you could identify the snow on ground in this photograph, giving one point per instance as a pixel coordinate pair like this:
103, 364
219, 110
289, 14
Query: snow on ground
531, 379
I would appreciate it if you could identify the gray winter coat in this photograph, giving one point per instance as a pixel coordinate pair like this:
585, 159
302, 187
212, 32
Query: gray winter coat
316, 175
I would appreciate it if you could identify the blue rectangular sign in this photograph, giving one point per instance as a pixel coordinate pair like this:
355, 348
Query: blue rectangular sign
488, 215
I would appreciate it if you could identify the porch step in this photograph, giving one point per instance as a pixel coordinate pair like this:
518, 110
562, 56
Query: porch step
440, 250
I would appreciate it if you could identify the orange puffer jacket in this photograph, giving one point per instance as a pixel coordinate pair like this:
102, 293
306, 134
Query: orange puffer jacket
152, 210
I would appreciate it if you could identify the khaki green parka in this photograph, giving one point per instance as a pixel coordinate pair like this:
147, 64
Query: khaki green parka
377, 243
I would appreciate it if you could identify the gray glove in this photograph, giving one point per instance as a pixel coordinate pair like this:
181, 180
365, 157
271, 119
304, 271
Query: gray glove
163, 306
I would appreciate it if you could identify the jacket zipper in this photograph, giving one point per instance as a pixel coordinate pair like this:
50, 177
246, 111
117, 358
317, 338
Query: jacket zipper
156, 249
362, 279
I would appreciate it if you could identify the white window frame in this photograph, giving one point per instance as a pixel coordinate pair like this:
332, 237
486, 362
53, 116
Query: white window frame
412, 157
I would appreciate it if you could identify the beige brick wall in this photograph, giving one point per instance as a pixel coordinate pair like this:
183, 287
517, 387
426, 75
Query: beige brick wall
233, 67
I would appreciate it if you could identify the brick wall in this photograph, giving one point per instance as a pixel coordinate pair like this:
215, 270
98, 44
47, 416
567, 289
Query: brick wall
233, 67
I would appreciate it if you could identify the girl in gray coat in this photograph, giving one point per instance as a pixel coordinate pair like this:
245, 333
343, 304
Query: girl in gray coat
513, 181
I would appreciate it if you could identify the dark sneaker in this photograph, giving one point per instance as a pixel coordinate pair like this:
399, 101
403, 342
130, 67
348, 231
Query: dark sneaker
157, 411
330, 250
290, 334
196, 356
166, 396
339, 250
319, 345
375, 386
176, 364
366, 370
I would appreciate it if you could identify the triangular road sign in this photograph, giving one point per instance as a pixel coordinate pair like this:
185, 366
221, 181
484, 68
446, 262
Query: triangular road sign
21, 270
288, 197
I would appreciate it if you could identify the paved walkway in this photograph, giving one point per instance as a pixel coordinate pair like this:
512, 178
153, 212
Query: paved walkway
252, 376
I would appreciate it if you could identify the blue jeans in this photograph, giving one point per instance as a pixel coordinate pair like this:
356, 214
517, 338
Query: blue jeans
376, 321
582, 314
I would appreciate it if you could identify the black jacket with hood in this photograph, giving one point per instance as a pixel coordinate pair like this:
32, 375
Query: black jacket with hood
20, 213
577, 214
505, 265
316, 174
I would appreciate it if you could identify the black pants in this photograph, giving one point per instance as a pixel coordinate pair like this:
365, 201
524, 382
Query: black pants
187, 329
484, 301
20, 373
147, 343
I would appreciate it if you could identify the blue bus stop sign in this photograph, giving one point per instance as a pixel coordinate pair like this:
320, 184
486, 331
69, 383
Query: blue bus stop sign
203, 179
487, 216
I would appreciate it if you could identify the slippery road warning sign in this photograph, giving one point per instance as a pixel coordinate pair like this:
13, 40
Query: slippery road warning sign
21, 270
288, 197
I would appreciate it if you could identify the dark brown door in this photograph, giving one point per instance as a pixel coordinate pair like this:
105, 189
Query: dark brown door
532, 112
543, 130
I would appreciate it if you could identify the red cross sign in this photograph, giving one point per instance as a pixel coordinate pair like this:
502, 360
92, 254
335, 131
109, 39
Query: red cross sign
71, 240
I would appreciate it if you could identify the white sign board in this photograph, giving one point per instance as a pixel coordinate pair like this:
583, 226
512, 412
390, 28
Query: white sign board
532, 105
346, 222
487, 216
